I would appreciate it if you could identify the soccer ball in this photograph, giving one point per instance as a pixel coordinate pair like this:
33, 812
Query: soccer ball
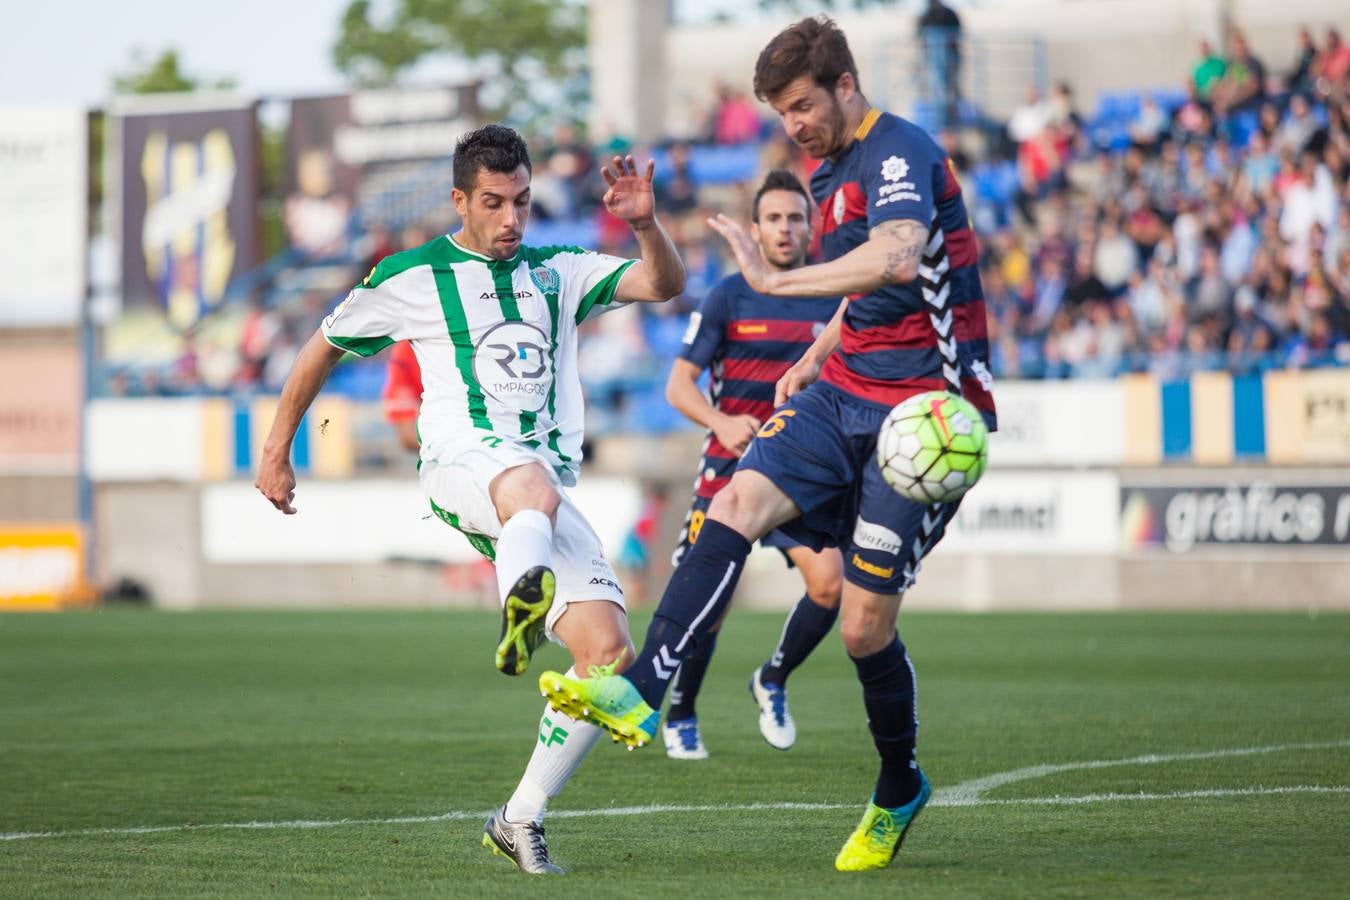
933, 447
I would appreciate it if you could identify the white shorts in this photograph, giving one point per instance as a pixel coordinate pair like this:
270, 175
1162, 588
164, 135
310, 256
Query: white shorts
457, 485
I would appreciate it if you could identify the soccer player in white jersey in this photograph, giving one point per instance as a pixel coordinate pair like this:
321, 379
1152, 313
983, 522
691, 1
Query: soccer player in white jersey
494, 325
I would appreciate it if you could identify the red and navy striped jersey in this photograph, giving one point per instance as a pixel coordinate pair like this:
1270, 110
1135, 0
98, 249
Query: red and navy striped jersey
929, 334
747, 340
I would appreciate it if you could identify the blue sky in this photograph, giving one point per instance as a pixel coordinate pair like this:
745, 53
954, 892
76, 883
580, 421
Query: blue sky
273, 47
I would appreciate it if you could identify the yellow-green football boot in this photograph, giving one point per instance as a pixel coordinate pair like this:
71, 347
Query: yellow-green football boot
604, 699
523, 618
876, 840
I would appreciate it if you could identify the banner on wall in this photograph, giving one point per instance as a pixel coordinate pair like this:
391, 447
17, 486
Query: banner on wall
41, 567
189, 197
345, 149
40, 409
44, 203
1051, 423
1326, 416
1260, 513
1037, 512
372, 521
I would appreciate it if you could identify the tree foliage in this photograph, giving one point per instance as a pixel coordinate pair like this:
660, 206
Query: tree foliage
806, 7
517, 44
162, 75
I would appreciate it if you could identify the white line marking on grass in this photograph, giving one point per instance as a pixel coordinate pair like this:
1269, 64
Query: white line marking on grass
452, 816
1175, 795
965, 794
970, 793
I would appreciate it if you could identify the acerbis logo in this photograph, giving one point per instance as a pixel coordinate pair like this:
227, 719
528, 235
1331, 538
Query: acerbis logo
505, 295
607, 582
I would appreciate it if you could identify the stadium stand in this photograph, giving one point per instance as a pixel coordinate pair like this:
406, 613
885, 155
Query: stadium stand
1170, 230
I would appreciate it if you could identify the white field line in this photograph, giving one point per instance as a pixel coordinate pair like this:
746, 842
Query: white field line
970, 793
965, 794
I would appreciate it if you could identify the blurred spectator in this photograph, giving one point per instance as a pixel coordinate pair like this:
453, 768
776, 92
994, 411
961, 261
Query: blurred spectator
737, 120
1309, 201
940, 36
1149, 125
1332, 65
1116, 257
1208, 71
1208, 295
1244, 80
676, 192
1029, 119
1305, 57
1298, 127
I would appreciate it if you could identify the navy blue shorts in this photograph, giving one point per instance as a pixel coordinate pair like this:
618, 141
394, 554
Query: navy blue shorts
820, 449
693, 521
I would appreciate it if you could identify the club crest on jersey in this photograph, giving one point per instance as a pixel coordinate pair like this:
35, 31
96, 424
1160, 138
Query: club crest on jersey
894, 168
546, 279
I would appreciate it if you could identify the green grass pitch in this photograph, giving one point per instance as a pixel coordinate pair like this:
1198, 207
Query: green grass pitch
115, 720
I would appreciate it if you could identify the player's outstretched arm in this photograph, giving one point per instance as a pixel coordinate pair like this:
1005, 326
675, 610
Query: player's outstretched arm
890, 255
659, 273
807, 369
276, 478
682, 392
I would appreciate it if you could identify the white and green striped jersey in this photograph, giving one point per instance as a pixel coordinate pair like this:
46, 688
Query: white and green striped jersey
496, 339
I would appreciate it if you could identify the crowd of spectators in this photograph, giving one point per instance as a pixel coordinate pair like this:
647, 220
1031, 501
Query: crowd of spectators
1180, 231
1166, 231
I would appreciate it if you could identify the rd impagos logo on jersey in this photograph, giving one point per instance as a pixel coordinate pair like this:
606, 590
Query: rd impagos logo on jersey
511, 364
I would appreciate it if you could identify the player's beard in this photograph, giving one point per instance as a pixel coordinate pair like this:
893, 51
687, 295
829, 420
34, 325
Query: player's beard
831, 138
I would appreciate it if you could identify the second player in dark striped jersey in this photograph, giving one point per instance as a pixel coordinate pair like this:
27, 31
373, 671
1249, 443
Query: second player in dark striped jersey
747, 341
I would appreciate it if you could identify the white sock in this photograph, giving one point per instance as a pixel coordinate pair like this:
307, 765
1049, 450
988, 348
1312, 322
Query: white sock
561, 745
526, 541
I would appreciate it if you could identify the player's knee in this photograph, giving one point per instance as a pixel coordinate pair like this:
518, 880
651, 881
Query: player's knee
731, 509
539, 494
864, 632
825, 589
603, 653
547, 500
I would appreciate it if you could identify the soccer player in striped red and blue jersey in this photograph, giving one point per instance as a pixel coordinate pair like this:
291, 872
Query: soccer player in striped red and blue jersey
898, 245
748, 341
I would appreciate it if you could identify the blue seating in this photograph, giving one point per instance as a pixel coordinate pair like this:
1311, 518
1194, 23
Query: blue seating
716, 164
572, 232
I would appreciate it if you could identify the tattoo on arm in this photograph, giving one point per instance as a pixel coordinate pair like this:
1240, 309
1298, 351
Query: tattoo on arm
905, 240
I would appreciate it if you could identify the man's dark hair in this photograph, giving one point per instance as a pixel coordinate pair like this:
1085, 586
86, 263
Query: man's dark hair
779, 180
492, 148
814, 47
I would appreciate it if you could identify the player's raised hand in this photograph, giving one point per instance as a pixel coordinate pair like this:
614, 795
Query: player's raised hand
276, 481
736, 432
630, 195
802, 373
748, 257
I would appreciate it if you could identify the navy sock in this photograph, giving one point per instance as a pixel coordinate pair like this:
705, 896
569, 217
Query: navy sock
688, 680
805, 628
691, 607
888, 694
